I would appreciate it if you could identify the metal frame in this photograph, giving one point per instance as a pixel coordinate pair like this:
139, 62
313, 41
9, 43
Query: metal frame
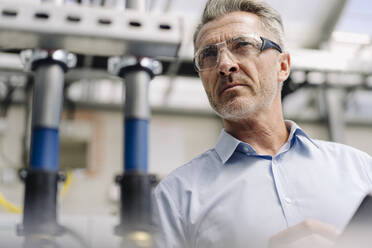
88, 30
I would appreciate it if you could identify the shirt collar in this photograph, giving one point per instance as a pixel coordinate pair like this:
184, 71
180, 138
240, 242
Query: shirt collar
227, 144
295, 130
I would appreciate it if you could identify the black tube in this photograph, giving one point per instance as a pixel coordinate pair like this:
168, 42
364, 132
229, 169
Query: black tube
136, 206
40, 204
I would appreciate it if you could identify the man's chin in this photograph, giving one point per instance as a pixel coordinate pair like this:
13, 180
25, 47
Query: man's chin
234, 112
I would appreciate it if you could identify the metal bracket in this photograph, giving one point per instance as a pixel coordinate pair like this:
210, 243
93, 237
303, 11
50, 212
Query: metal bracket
22, 173
120, 65
31, 58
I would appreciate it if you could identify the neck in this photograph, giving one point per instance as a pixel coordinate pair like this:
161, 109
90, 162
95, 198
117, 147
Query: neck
266, 132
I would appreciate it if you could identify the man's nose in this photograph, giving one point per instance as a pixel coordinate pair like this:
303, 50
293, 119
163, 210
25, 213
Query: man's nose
227, 63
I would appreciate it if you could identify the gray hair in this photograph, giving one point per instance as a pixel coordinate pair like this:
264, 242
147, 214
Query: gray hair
270, 18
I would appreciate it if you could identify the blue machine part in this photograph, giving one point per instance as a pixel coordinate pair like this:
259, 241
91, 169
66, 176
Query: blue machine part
44, 149
136, 145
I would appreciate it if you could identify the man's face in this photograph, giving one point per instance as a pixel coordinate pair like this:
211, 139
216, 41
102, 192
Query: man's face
238, 89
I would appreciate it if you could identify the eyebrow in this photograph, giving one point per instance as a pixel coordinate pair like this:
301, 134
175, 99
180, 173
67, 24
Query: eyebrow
230, 39
231, 36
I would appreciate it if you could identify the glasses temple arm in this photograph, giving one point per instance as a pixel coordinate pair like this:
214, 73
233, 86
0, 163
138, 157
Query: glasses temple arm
266, 44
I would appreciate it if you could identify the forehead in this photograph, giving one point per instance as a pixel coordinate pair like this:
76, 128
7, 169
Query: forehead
228, 26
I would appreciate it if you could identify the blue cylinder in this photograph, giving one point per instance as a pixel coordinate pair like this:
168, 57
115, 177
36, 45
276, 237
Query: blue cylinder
136, 145
44, 149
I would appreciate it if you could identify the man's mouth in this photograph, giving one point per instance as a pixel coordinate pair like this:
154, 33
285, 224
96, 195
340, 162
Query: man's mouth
230, 86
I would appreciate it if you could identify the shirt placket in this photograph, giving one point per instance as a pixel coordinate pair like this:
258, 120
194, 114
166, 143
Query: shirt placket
286, 196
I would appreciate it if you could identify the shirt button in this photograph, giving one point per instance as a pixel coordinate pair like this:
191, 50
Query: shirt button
246, 149
288, 200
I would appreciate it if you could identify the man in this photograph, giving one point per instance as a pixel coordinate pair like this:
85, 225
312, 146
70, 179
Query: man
265, 182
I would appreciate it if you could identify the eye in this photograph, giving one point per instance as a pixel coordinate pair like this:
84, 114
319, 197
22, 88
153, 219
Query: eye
209, 52
242, 44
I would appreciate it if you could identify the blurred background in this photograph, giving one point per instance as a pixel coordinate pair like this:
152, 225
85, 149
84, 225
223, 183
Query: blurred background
329, 94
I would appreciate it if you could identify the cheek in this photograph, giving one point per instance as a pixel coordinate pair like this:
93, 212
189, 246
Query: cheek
209, 82
268, 73
250, 69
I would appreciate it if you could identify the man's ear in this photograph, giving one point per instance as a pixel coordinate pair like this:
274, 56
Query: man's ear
285, 67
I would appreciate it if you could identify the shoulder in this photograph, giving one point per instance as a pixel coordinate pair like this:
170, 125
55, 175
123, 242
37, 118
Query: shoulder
338, 149
183, 184
347, 158
186, 176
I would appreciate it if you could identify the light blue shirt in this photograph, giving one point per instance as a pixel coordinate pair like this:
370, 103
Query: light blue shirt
230, 196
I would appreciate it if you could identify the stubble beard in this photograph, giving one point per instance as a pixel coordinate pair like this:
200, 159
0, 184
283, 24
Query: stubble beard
242, 107
233, 109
